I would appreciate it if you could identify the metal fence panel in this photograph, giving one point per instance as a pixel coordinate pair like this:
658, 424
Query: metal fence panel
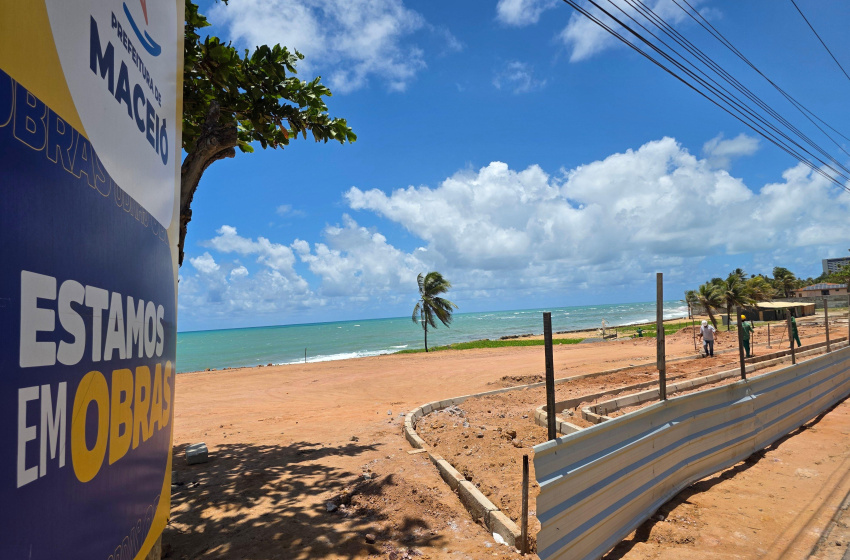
598, 485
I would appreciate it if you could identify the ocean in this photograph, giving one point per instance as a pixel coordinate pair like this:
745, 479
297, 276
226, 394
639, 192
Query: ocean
341, 340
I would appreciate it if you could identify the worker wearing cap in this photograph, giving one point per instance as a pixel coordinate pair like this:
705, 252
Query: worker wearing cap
746, 331
706, 333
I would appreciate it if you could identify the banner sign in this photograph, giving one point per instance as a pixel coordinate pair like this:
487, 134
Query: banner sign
90, 148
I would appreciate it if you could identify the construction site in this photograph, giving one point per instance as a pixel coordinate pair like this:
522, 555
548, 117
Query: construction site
479, 441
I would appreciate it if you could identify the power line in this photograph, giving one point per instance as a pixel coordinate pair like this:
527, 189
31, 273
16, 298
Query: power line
819, 39
706, 60
689, 74
706, 25
727, 96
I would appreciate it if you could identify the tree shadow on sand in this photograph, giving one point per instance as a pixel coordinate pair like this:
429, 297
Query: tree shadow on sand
273, 501
643, 533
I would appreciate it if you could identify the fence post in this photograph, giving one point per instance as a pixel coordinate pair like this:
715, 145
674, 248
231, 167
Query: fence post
694, 332
659, 335
524, 523
550, 375
741, 343
791, 338
826, 320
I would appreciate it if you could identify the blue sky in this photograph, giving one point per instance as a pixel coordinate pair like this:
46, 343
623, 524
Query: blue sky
519, 151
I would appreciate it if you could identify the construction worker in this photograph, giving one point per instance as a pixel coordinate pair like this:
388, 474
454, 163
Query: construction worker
794, 334
746, 331
707, 334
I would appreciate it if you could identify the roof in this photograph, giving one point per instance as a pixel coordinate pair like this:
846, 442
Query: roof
780, 304
824, 286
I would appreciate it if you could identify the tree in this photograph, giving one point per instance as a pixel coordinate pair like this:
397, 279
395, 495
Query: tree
840, 276
709, 297
232, 100
430, 305
691, 299
759, 289
784, 281
734, 292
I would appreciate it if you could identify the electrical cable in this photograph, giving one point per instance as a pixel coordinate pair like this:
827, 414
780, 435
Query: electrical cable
819, 39
744, 115
707, 26
705, 59
728, 97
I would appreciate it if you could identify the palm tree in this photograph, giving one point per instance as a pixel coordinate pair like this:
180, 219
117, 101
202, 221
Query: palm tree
784, 280
760, 289
691, 299
734, 292
430, 305
709, 297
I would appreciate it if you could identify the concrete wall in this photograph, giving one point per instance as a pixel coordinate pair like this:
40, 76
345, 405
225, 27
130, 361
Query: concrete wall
599, 484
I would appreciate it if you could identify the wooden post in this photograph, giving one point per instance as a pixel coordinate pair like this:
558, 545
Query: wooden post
659, 327
694, 332
524, 523
791, 338
826, 320
741, 343
550, 375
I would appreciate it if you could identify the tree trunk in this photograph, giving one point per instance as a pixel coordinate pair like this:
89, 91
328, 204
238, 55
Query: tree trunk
216, 141
426, 337
728, 313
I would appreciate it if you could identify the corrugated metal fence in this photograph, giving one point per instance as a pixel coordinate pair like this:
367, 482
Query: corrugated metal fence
598, 485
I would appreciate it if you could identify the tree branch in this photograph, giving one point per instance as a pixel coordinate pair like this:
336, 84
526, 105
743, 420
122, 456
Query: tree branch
216, 141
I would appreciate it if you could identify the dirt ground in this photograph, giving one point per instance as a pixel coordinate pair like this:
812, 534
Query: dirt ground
308, 461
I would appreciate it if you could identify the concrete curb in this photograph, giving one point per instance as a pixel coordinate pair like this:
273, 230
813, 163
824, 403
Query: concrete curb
597, 413
472, 499
475, 502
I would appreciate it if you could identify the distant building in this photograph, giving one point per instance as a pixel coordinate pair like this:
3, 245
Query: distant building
822, 289
832, 265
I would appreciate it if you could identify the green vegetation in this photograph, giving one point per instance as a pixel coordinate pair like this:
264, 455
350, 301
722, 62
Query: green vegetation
739, 290
487, 343
650, 331
430, 305
232, 100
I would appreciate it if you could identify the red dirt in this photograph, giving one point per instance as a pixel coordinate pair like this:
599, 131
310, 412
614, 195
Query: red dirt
285, 441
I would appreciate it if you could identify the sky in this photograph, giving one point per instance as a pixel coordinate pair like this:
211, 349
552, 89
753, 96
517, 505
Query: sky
519, 150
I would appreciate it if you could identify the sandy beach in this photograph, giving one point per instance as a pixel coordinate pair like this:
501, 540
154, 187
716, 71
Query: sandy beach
308, 461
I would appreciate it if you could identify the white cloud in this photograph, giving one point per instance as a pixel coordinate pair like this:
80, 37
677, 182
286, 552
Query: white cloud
518, 77
358, 262
626, 214
286, 210
450, 43
585, 38
211, 297
501, 233
354, 265
721, 152
205, 263
351, 41
522, 12
274, 255
238, 272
